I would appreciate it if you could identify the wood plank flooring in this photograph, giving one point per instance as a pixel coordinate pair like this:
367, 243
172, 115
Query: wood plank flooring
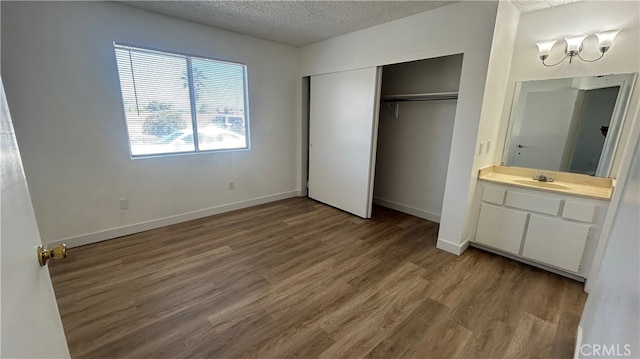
298, 279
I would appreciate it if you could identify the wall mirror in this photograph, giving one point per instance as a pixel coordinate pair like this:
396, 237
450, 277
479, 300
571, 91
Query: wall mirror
569, 124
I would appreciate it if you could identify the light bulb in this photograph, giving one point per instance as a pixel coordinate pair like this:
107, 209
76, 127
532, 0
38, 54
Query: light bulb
574, 44
544, 48
605, 39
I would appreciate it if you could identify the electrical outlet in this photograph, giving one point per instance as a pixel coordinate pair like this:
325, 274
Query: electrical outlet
124, 203
488, 146
231, 185
480, 148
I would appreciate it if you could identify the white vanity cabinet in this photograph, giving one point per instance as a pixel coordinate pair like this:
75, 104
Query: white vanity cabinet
501, 228
552, 230
556, 242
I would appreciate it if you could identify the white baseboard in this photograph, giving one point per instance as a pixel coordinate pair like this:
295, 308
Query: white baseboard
455, 248
576, 350
430, 216
99, 236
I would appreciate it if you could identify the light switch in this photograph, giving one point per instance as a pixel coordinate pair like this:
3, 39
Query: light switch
480, 149
488, 146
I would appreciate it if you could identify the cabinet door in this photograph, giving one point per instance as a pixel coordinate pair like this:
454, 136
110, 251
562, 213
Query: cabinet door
501, 228
555, 242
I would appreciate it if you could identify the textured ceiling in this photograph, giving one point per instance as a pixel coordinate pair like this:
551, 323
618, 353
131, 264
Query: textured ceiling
295, 23
532, 5
302, 22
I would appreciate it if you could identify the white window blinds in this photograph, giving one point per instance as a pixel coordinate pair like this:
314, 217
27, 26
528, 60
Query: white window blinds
170, 97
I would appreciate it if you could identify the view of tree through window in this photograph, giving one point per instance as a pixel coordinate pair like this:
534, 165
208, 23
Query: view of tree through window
169, 97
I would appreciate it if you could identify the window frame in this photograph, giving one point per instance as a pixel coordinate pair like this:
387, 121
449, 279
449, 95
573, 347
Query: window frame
194, 119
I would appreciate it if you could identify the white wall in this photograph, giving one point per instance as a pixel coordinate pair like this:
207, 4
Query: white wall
61, 81
587, 17
464, 27
493, 101
504, 38
611, 314
413, 148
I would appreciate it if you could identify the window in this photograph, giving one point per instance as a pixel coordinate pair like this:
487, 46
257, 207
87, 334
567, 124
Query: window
170, 97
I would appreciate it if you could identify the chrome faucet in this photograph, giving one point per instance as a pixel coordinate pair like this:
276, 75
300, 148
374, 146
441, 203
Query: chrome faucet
542, 178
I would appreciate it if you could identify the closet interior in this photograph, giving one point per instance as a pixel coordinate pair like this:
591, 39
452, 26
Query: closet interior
416, 117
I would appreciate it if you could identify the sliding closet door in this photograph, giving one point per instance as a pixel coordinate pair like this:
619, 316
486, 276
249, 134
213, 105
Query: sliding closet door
343, 130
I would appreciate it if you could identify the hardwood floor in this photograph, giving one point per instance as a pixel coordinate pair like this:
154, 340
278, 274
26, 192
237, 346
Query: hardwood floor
298, 279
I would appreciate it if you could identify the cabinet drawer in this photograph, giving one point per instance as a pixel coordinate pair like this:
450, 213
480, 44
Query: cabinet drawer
579, 211
501, 228
533, 203
555, 242
493, 195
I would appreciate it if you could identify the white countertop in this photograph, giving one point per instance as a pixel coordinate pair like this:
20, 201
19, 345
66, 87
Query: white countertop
567, 183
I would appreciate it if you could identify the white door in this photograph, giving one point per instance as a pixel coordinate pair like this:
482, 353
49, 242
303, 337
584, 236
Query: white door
31, 325
343, 131
539, 138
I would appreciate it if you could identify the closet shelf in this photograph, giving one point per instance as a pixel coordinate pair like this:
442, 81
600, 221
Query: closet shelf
430, 96
392, 100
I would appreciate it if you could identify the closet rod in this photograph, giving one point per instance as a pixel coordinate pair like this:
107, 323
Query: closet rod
432, 96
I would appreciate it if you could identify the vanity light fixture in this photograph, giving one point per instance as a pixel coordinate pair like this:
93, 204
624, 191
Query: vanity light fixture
574, 47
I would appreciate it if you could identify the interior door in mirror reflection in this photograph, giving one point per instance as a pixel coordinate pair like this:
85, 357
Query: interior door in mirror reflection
542, 133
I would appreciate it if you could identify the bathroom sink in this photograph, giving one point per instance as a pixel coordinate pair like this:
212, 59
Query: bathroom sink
531, 182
